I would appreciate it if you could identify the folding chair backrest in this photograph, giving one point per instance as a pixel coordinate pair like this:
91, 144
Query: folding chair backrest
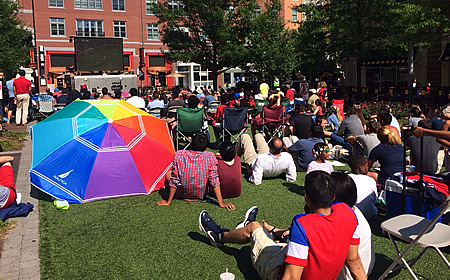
189, 120
286, 102
272, 115
234, 119
45, 103
155, 110
340, 104
259, 103
214, 104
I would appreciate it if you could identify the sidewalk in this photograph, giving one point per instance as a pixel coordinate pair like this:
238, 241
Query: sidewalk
20, 256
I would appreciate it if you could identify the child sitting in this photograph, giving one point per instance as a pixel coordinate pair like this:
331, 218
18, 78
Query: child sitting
322, 152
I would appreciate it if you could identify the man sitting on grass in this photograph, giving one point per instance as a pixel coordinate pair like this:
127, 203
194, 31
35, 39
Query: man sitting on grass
7, 187
318, 244
302, 149
366, 186
269, 162
192, 171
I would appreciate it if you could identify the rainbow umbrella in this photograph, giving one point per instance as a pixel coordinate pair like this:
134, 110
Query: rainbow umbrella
100, 149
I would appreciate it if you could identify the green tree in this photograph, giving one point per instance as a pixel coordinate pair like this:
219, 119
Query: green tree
14, 38
206, 32
270, 46
312, 42
358, 28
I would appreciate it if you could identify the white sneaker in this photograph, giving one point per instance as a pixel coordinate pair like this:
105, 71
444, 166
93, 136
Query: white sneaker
18, 197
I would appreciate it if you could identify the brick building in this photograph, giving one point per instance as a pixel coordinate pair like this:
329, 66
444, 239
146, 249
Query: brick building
56, 22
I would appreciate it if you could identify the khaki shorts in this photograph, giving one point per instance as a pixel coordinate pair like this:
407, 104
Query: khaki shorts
267, 256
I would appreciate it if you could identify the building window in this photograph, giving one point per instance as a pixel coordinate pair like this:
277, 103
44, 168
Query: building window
118, 5
120, 29
55, 3
62, 60
88, 4
149, 7
294, 15
156, 60
257, 12
57, 27
90, 28
174, 5
152, 31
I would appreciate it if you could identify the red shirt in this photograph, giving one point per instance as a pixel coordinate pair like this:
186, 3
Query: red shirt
230, 177
219, 113
22, 85
320, 243
290, 94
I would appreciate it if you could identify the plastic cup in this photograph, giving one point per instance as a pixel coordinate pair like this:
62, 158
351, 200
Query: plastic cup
227, 275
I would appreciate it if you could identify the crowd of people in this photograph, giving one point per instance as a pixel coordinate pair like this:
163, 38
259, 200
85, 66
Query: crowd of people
333, 238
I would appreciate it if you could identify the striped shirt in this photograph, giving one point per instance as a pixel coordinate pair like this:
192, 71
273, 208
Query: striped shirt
316, 166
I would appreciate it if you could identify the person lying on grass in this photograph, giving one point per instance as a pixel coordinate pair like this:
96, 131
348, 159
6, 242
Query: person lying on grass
318, 243
322, 153
7, 187
191, 171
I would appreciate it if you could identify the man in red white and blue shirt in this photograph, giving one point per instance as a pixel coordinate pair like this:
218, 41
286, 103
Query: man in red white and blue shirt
193, 173
318, 243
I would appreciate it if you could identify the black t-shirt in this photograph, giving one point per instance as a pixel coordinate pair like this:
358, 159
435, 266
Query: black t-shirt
301, 123
430, 152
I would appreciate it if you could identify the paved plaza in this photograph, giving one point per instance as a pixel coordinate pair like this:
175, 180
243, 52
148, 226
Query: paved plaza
20, 256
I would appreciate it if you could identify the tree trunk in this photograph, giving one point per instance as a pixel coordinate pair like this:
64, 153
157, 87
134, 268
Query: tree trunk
358, 76
410, 66
215, 70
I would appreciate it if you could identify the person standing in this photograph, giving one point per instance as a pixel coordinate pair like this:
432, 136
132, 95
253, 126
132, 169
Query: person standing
264, 88
11, 103
22, 89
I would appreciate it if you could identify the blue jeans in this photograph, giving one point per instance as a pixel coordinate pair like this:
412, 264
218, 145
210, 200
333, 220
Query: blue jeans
340, 141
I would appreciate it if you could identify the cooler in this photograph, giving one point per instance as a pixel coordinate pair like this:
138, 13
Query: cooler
394, 203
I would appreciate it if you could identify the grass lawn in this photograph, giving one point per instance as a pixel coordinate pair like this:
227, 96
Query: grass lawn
12, 141
132, 238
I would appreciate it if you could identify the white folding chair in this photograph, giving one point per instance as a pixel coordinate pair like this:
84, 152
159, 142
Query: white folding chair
45, 105
419, 231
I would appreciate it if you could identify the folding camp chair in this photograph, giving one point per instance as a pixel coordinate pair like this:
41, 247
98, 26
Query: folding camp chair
189, 121
234, 122
212, 108
45, 105
172, 111
259, 103
155, 111
287, 105
419, 231
272, 120
340, 104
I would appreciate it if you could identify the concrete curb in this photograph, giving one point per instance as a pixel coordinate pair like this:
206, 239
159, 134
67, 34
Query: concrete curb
20, 257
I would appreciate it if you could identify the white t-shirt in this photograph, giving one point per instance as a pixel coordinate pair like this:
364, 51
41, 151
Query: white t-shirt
268, 165
367, 195
365, 249
395, 124
137, 101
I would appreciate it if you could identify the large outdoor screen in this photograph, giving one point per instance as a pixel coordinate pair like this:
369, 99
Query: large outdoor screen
98, 54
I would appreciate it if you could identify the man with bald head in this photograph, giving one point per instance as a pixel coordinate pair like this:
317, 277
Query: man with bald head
267, 160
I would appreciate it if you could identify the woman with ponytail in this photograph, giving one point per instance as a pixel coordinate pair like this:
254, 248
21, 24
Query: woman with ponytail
389, 154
